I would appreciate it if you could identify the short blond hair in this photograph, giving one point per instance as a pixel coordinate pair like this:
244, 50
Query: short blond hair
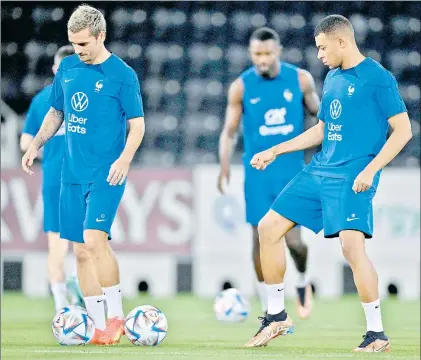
86, 16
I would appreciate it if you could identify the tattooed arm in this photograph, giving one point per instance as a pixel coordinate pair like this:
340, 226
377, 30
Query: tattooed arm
50, 125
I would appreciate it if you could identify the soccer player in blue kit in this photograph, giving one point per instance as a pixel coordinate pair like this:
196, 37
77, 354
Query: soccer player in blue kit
51, 167
335, 191
270, 99
95, 93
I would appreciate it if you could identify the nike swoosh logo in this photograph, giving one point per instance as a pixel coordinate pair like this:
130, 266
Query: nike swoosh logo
279, 330
100, 220
351, 219
254, 101
67, 80
380, 349
98, 301
280, 289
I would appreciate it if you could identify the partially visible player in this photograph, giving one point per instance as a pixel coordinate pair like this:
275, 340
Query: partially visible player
335, 191
52, 162
95, 93
270, 99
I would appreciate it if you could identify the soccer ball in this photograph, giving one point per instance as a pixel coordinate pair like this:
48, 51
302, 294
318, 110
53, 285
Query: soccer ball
73, 326
146, 326
231, 306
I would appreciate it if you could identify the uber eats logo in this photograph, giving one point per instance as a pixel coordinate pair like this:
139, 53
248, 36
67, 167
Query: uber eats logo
79, 102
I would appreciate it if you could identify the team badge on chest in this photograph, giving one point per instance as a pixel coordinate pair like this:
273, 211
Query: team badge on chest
288, 95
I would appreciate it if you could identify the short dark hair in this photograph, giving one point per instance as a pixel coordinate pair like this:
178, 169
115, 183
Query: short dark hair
64, 51
265, 33
331, 23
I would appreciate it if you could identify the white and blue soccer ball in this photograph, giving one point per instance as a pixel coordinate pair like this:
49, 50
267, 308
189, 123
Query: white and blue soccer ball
231, 306
146, 325
73, 326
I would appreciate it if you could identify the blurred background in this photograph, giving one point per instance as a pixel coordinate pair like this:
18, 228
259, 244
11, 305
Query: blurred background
186, 54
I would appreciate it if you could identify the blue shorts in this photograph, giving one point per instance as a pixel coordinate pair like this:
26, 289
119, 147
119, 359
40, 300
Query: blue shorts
319, 202
88, 207
51, 201
260, 191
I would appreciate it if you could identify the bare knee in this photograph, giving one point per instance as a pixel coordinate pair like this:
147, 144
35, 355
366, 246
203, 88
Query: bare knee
264, 228
81, 252
96, 241
273, 227
353, 245
57, 247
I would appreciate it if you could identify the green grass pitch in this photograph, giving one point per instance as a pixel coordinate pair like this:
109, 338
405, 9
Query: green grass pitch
333, 330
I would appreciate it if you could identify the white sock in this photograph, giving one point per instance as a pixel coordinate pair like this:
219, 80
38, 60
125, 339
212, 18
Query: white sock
276, 298
95, 307
373, 316
261, 293
114, 301
302, 280
59, 292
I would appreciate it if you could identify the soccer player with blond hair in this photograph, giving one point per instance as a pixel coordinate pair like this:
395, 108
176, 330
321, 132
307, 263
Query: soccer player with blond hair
96, 94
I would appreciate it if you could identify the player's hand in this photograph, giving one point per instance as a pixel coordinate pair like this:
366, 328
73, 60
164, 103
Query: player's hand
363, 181
118, 171
223, 177
28, 159
261, 160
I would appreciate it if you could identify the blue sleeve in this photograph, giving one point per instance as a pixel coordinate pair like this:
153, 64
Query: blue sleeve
130, 98
56, 96
388, 98
33, 121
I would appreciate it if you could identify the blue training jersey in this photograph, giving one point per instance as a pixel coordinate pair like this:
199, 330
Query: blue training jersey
97, 101
53, 155
273, 112
356, 105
